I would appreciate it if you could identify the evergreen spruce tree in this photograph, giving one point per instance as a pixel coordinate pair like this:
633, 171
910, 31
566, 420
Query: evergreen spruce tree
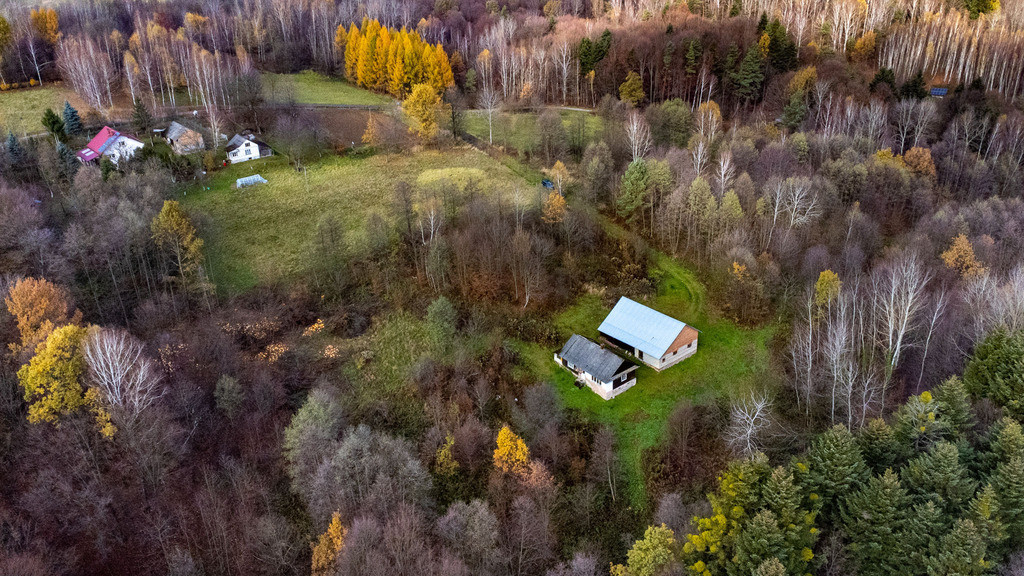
985, 513
72, 122
1007, 441
758, 541
954, 405
142, 120
748, 78
1008, 482
924, 526
914, 88
873, 520
15, 152
795, 111
940, 475
836, 468
878, 444
736, 9
762, 23
962, 552
67, 162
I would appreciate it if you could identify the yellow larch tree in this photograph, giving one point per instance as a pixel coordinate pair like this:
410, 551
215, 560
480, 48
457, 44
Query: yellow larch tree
352, 45
328, 547
511, 455
961, 258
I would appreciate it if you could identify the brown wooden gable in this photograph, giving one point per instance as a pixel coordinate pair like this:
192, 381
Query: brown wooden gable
687, 335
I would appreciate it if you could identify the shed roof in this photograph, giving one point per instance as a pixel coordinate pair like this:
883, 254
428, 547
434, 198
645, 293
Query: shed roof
641, 327
587, 355
176, 130
938, 91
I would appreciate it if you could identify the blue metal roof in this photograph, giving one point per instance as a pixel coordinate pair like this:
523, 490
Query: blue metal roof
938, 91
641, 327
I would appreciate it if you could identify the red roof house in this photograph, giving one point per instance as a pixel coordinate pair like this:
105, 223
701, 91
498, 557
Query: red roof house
111, 143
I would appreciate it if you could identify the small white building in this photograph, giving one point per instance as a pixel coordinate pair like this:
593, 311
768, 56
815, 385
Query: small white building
658, 340
242, 148
601, 370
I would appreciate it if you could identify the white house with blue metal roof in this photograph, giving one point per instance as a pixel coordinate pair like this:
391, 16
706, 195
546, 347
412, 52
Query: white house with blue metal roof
655, 339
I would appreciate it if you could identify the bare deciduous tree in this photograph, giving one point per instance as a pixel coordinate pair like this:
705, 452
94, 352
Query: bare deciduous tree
127, 380
639, 134
750, 420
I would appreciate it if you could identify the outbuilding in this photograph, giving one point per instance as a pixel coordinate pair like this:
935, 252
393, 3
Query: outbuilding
250, 181
603, 371
654, 338
183, 140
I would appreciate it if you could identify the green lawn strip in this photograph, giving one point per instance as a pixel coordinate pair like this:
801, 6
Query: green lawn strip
518, 130
264, 233
729, 361
21, 111
313, 88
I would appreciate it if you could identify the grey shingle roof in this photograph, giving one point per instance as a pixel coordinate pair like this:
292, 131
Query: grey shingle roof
175, 131
641, 327
592, 358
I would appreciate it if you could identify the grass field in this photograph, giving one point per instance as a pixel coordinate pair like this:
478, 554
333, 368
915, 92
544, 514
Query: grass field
21, 111
519, 130
729, 362
312, 88
264, 233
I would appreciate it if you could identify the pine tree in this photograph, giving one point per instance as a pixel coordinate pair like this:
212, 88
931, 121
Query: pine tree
54, 125
72, 122
634, 189
835, 469
873, 520
380, 60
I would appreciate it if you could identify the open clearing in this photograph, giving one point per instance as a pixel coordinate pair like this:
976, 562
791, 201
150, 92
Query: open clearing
518, 130
313, 88
729, 361
264, 233
21, 111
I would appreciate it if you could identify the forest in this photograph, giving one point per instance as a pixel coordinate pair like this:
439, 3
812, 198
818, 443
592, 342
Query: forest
346, 368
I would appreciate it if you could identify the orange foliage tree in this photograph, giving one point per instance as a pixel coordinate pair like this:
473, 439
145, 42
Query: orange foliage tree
39, 306
960, 257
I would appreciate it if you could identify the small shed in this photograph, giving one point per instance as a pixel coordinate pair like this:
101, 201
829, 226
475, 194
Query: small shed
183, 140
603, 371
658, 340
250, 181
938, 92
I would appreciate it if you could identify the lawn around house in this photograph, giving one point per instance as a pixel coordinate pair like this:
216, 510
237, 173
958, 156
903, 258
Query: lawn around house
313, 88
730, 361
264, 233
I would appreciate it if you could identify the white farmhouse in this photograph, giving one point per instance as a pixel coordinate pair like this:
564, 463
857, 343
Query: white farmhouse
241, 148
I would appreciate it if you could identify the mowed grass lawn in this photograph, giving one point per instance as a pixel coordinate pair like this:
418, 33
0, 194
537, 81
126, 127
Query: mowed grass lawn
730, 361
518, 130
313, 88
264, 233
21, 111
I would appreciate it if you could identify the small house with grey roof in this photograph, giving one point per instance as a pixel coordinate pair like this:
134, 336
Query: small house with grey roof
600, 369
657, 340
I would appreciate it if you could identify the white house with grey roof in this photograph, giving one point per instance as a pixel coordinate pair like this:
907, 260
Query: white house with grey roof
655, 339
600, 369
